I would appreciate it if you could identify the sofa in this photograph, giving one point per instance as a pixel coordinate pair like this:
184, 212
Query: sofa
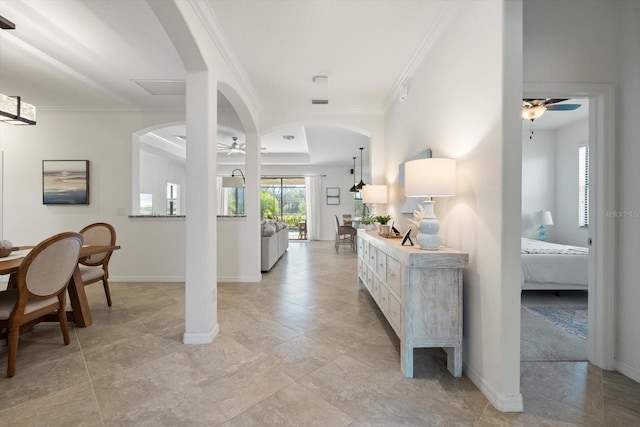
274, 242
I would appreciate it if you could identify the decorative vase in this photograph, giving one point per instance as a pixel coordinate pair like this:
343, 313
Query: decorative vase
385, 229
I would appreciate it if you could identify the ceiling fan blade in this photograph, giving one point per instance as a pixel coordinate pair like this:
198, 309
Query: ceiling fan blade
542, 101
563, 107
553, 101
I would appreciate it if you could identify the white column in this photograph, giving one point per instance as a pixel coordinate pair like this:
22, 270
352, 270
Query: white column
201, 317
252, 206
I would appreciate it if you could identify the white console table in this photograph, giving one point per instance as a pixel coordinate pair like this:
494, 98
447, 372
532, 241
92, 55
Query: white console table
419, 292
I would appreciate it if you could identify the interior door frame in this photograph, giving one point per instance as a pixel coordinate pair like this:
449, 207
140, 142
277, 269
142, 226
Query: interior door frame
602, 195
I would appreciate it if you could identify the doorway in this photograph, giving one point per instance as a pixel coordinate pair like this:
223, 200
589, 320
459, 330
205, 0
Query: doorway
284, 199
555, 212
600, 234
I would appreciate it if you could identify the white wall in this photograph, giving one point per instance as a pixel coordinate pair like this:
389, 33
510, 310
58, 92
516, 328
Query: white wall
538, 180
151, 249
155, 172
565, 216
598, 42
457, 102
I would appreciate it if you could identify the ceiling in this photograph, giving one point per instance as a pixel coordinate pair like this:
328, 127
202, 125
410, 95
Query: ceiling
92, 54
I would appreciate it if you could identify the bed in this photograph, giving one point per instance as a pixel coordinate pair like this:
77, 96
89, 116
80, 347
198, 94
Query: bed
552, 266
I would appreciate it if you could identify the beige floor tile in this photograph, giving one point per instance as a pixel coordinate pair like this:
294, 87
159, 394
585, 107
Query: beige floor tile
73, 406
301, 347
293, 406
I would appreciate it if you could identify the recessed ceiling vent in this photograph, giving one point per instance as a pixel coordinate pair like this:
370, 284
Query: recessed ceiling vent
319, 101
321, 80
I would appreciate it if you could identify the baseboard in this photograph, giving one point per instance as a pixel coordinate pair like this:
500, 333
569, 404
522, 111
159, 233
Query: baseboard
624, 368
233, 279
501, 402
194, 338
163, 279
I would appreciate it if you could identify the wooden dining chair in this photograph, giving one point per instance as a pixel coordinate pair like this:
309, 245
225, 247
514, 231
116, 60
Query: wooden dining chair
41, 282
96, 267
345, 235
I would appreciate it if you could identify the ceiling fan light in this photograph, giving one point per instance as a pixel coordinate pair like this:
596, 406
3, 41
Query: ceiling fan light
532, 113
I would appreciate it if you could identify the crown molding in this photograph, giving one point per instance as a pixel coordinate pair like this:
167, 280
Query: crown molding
447, 11
211, 24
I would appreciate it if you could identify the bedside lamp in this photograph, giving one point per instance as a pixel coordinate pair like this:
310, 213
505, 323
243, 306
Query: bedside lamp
373, 194
543, 218
430, 178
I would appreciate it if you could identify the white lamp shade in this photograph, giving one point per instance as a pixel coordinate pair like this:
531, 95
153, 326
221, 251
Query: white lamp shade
232, 182
374, 194
430, 178
543, 218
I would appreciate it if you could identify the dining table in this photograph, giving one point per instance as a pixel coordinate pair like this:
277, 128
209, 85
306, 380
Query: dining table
80, 313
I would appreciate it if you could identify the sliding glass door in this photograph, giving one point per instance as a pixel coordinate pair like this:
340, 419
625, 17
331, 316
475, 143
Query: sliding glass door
284, 199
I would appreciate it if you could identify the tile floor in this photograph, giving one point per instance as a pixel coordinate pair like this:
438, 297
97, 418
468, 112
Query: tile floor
301, 348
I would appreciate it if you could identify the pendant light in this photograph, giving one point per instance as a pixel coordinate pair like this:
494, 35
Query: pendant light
354, 189
361, 183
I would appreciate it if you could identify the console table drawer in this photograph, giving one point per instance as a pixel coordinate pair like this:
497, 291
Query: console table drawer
395, 314
369, 279
383, 301
394, 280
381, 267
373, 256
375, 291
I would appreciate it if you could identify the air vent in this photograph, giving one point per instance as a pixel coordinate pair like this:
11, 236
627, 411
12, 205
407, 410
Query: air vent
321, 80
320, 101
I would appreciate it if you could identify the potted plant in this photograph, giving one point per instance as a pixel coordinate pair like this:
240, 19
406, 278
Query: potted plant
368, 221
385, 229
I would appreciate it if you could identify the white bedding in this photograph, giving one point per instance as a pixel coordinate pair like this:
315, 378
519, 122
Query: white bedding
553, 266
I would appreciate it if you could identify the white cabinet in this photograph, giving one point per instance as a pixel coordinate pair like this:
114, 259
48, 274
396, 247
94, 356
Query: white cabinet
419, 292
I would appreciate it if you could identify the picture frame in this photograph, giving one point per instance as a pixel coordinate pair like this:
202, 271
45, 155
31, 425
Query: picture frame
333, 195
407, 238
65, 182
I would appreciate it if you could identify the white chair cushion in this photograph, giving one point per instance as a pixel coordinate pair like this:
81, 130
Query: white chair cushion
90, 273
8, 301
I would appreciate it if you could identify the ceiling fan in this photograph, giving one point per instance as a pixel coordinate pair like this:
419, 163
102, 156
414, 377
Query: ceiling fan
232, 148
534, 108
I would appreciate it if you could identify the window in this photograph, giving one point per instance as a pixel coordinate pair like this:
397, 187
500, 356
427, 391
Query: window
283, 199
583, 186
173, 191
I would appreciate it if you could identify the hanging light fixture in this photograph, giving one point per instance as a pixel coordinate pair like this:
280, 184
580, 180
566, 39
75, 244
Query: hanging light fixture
361, 183
354, 189
16, 112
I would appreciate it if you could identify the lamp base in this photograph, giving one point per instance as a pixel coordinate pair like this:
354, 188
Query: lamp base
428, 228
542, 233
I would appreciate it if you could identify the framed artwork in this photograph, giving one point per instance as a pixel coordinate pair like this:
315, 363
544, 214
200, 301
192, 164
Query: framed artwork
333, 195
65, 182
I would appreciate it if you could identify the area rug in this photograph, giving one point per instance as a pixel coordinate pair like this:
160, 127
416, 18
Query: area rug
554, 338
571, 319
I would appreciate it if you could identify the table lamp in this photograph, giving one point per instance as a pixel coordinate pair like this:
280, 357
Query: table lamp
543, 218
430, 178
373, 194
